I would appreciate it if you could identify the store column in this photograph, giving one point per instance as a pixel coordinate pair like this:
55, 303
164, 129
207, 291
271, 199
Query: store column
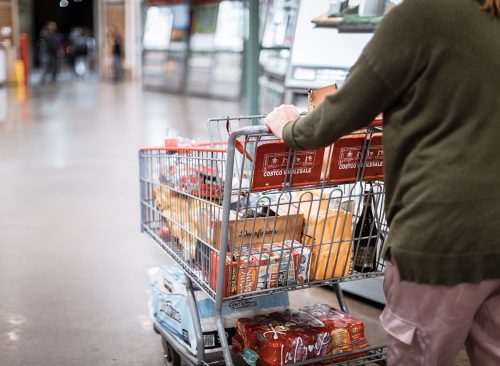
131, 62
252, 49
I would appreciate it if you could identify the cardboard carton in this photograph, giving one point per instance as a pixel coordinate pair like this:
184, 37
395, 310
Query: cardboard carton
327, 233
355, 154
273, 168
267, 266
316, 96
343, 159
250, 231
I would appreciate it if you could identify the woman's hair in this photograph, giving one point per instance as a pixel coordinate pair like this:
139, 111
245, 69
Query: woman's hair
492, 7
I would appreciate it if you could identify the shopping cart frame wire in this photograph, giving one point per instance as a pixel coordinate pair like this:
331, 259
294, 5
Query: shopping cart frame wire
226, 206
227, 163
193, 307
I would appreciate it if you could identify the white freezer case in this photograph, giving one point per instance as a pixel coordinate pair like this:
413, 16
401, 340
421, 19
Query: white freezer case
371, 289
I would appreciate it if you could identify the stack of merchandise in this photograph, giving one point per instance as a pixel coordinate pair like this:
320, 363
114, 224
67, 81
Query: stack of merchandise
249, 269
327, 232
179, 219
171, 312
298, 335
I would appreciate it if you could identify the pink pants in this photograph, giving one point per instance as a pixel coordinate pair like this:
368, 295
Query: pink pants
428, 324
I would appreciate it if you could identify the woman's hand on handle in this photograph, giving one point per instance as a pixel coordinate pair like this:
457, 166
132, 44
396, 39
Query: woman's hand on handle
279, 117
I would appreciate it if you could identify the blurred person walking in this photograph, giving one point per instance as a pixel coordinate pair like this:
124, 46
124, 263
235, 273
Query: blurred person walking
115, 45
433, 69
77, 51
53, 49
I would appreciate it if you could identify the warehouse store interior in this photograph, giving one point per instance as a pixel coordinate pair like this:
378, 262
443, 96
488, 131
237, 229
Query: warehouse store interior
84, 107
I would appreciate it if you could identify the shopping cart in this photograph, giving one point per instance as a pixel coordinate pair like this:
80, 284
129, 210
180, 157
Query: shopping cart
249, 217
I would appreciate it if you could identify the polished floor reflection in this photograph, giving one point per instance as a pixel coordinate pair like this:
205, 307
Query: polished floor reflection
73, 284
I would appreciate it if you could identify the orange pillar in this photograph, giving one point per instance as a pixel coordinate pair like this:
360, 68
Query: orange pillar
24, 55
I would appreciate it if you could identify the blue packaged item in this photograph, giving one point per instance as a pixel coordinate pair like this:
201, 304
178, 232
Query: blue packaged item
170, 309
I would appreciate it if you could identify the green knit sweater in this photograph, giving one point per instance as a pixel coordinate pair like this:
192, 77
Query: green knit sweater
433, 69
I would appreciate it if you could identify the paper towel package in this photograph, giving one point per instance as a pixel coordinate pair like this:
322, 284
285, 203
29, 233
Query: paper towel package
170, 309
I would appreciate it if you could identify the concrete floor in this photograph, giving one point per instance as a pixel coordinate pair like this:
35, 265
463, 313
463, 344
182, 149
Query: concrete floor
73, 284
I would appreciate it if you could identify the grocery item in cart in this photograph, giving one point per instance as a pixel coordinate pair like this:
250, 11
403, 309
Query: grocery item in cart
366, 237
269, 340
345, 329
249, 230
241, 271
199, 180
374, 164
180, 214
353, 153
170, 309
316, 96
327, 233
287, 264
247, 266
165, 233
298, 335
343, 159
261, 267
293, 251
275, 164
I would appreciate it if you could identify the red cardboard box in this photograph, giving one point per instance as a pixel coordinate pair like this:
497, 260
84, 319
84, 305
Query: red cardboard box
349, 152
271, 163
345, 159
374, 169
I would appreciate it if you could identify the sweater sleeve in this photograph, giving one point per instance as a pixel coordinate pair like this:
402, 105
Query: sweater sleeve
353, 106
388, 65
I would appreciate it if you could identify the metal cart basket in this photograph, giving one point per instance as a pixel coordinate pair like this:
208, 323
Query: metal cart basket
248, 216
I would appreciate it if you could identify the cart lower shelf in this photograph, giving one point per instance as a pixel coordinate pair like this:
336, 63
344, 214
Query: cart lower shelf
176, 353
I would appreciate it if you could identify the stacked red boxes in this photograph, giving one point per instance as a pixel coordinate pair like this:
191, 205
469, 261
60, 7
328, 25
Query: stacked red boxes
345, 159
374, 166
273, 167
295, 336
348, 154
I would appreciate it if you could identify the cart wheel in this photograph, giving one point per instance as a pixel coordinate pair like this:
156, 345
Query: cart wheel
155, 328
171, 357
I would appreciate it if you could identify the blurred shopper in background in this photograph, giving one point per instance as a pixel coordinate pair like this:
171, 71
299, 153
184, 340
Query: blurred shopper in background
433, 69
51, 50
115, 46
77, 51
91, 49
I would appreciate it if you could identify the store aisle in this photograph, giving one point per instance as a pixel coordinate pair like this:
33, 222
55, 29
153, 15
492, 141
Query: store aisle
72, 260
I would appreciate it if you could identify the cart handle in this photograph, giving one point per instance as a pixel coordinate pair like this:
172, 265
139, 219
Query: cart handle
262, 129
198, 149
